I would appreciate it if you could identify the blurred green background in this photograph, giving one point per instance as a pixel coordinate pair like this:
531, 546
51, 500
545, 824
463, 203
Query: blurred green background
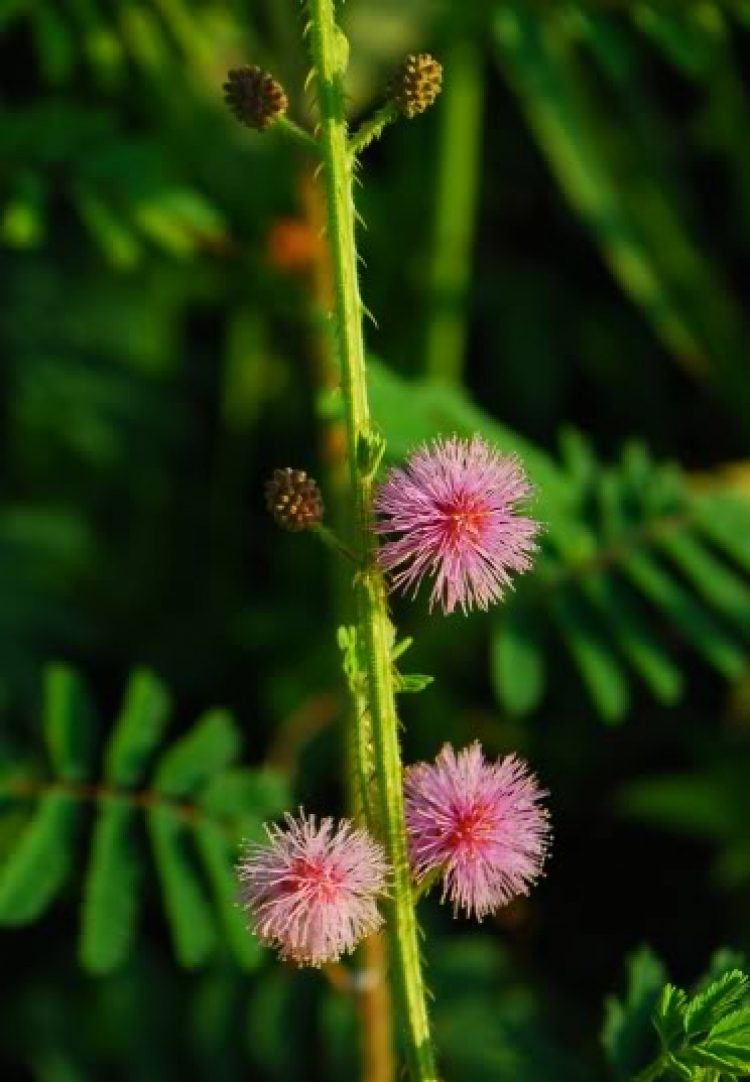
556, 255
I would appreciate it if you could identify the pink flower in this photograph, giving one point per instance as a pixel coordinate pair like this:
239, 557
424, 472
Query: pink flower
479, 823
311, 889
454, 509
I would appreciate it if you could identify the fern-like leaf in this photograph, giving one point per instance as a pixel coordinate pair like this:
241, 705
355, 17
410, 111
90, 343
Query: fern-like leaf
197, 807
206, 750
69, 724
669, 1017
217, 857
111, 892
709, 1007
190, 914
518, 665
628, 1035
138, 730
634, 559
246, 797
38, 865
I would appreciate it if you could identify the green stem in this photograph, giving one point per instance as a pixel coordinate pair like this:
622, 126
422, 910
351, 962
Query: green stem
297, 134
455, 211
333, 542
329, 52
372, 129
373, 615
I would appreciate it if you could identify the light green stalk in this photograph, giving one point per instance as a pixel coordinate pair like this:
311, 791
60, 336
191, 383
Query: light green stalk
329, 51
373, 128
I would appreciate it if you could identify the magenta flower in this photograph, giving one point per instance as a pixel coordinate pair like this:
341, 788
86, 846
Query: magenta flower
480, 824
311, 889
454, 509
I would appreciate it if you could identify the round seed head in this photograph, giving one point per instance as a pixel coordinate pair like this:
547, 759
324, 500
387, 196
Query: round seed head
254, 96
294, 500
416, 84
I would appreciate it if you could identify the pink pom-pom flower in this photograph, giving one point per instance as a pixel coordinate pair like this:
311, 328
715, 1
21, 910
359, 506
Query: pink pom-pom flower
312, 889
480, 825
454, 509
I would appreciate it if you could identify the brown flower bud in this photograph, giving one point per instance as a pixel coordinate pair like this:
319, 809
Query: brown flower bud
255, 97
294, 500
416, 84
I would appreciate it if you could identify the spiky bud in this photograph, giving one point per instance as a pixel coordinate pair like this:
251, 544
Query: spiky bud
255, 97
416, 84
294, 500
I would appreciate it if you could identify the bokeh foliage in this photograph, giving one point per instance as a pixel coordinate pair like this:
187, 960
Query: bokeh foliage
579, 301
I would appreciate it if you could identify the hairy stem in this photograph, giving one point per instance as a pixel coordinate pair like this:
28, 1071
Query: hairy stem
372, 998
373, 128
374, 629
298, 134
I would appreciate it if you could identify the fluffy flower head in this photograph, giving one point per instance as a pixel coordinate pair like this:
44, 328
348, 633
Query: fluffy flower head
481, 824
453, 511
312, 889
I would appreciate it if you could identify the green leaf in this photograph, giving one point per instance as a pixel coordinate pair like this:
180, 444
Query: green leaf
693, 804
138, 730
188, 910
719, 586
706, 1009
38, 866
606, 152
412, 411
412, 683
217, 856
725, 519
669, 1017
23, 223
686, 47
68, 721
688, 617
108, 228
207, 749
539, 61
517, 662
718, 1055
599, 667
110, 898
178, 219
53, 41
630, 629
246, 793
628, 1035
734, 1027
370, 450
722, 961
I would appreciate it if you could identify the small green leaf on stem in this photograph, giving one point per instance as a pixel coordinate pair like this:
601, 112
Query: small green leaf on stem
370, 450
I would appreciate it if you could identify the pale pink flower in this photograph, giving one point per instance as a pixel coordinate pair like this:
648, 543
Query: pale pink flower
311, 889
454, 509
481, 825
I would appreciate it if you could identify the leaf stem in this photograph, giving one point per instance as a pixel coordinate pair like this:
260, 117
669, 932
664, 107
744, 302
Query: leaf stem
101, 792
334, 542
373, 128
376, 634
297, 134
